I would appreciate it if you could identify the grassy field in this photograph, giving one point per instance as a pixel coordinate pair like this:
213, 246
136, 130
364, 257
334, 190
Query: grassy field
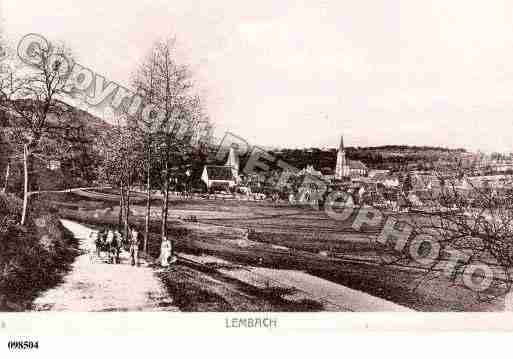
283, 237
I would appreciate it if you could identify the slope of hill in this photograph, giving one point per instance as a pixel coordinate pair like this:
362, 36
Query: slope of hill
389, 157
67, 155
32, 257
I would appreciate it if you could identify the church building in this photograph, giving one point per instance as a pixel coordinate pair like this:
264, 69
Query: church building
347, 168
223, 177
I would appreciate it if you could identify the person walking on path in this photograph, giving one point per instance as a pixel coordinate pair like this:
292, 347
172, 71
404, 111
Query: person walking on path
166, 251
109, 245
134, 246
95, 236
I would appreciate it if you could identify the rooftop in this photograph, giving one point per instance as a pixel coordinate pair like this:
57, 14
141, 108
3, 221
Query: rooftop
219, 173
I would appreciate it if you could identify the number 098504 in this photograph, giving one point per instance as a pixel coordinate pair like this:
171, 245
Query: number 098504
22, 345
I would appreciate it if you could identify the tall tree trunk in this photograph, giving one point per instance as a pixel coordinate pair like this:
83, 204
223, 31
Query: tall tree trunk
26, 158
128, 202
121, 205
127, 206
148, 209
7, 174
165, 210
165, 205
125, 220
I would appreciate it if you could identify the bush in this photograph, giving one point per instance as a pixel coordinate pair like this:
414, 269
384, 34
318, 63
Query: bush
32, 257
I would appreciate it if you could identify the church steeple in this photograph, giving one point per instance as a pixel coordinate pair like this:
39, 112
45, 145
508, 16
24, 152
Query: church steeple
233, 162
341, 169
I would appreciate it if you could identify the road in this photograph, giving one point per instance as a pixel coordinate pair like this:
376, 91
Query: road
95, 285
289, 240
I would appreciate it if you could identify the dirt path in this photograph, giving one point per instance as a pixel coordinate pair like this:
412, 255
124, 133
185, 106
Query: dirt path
95, 285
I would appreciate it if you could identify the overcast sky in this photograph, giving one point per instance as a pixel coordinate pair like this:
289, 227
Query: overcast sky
300, 73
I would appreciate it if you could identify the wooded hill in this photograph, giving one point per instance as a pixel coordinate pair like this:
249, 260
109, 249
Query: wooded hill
73, 144
382, 157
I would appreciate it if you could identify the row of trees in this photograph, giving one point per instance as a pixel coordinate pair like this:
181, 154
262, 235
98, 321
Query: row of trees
37, 123
133, 155
395, 158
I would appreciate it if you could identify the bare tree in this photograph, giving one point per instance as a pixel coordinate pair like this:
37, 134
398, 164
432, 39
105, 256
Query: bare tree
467, 221
7, 152
166, 83
33, 95
7, 69
123, 156
144, 79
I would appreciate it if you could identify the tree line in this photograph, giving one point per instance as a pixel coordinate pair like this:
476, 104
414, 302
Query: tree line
39, 126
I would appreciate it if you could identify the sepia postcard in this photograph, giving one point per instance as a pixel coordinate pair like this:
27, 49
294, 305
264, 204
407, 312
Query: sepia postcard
265, 166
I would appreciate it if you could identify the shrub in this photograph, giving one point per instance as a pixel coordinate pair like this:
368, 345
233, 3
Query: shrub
32, 257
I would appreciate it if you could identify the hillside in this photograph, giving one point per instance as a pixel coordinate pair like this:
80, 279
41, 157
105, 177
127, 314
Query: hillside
383, 157
32, 257
67, 155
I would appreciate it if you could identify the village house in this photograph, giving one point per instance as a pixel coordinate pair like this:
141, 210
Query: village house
53, 165
218, 177
225, 177
310, 170
502, 166
386, 180
375, 172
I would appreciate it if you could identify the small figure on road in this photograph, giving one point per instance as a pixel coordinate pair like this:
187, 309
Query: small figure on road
94, 236
134, 246
115, 246
99, 241
110, 245
120, 239
166, 251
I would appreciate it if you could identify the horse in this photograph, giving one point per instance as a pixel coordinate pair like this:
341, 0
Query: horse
114, 248
100, 241
110, 242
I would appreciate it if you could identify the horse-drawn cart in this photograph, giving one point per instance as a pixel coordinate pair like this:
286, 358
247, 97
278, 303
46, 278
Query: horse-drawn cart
110, 242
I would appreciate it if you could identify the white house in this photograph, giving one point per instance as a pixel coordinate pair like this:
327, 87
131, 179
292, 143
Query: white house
53, 165
218, 177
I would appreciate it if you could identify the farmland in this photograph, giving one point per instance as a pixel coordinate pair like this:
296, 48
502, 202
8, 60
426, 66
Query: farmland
282, 238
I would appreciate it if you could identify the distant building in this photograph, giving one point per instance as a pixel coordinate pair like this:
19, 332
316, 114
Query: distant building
414, 200
310, 170
386, 179
53, 165
328, 174
347, 168
373, 173
357, 169
502, 167
492, 181
218, 177
342, 167
233, 163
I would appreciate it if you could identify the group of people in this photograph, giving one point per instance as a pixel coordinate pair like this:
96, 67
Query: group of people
107, 241
111, 241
